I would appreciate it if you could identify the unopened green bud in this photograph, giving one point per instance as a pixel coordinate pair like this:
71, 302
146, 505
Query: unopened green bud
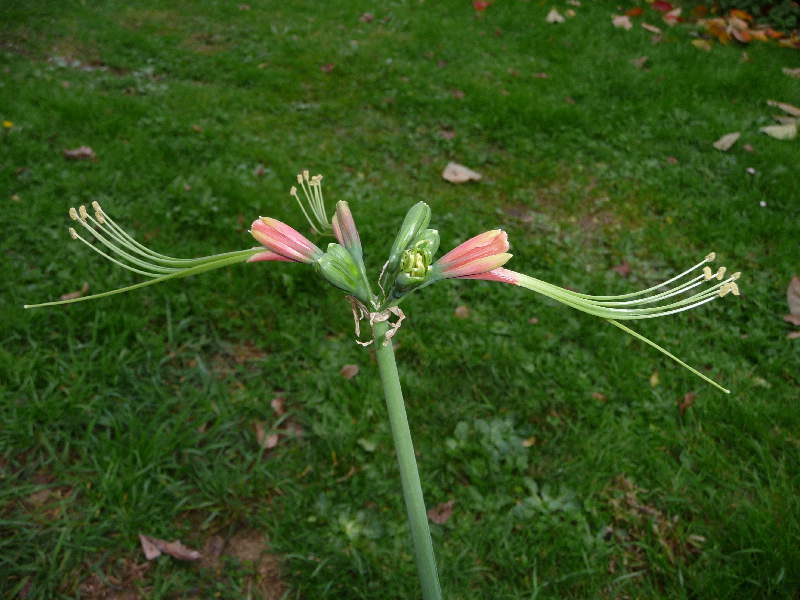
428, 239
417, 219
339, 268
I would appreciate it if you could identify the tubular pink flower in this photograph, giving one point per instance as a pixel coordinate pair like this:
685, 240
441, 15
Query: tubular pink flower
344, 228
268, 255
480, 254
283, 240
500, 275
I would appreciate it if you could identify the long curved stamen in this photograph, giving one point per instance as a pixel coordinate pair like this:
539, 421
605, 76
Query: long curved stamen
121, 244
312, 190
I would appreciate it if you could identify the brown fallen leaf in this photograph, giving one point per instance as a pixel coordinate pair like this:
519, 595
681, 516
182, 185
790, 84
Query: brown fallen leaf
781, 132
528, 442
327, 67
462, 312
456, 173
367, 17
277, 405
265, 441
784, 120
77, 293
600, 397
533, 320
793, 335
447, 134
621, 21
640, 62
688, 400
793, 300
457, 94
244, 7
80, 153
624, 269
791, 72
541, 75
651, 28
748, 148
154, 547
554, 16
570, 13
672, 17
654, 379
441, 513
349, 371
727, 141
787, 108
704, 45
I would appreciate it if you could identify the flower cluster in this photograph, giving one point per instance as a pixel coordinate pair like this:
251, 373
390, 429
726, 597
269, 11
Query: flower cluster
411, 264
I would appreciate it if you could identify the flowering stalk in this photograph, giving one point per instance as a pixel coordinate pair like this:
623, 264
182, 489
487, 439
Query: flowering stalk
409, 474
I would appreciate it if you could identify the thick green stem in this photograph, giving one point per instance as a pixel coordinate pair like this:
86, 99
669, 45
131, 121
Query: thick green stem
409, 475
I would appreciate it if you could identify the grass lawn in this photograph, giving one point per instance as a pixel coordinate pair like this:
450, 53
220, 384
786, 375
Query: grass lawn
573, 469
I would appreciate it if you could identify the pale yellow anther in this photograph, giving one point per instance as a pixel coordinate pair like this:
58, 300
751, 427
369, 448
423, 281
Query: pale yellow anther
82, 212
293, 191
707, 274
100, 218
316, 180
305, 174
724, 289
96, 206
711, 257
73, 234
299, 179
734, 289
736, 275
73, 214
720, 273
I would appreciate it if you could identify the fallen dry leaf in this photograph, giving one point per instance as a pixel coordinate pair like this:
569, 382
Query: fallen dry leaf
793, 296
727, 141
740, 14
441, 513
688, 400
457, 94
784, 120
793, 319
277, 405
654, 379
447, 134
672, 17
367, 17
792, 72
528, 442
77, 293
554, 16
651, 28
640, 62
600, 397
793, 335
80, 153
570, 13
662, 6
787, 108
702, 45
154, 547
624, 269
462, 312
634, 12
349, 371
541, 75
781, 132
533, 320
265, 442
327, 67
480, 5
621, 21
747, 148
456, 173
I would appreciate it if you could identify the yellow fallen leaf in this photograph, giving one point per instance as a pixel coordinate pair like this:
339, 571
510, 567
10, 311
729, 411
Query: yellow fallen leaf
554, 16
787, 108
702, 45
456, 173
727, 141
621, 21
781, 132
